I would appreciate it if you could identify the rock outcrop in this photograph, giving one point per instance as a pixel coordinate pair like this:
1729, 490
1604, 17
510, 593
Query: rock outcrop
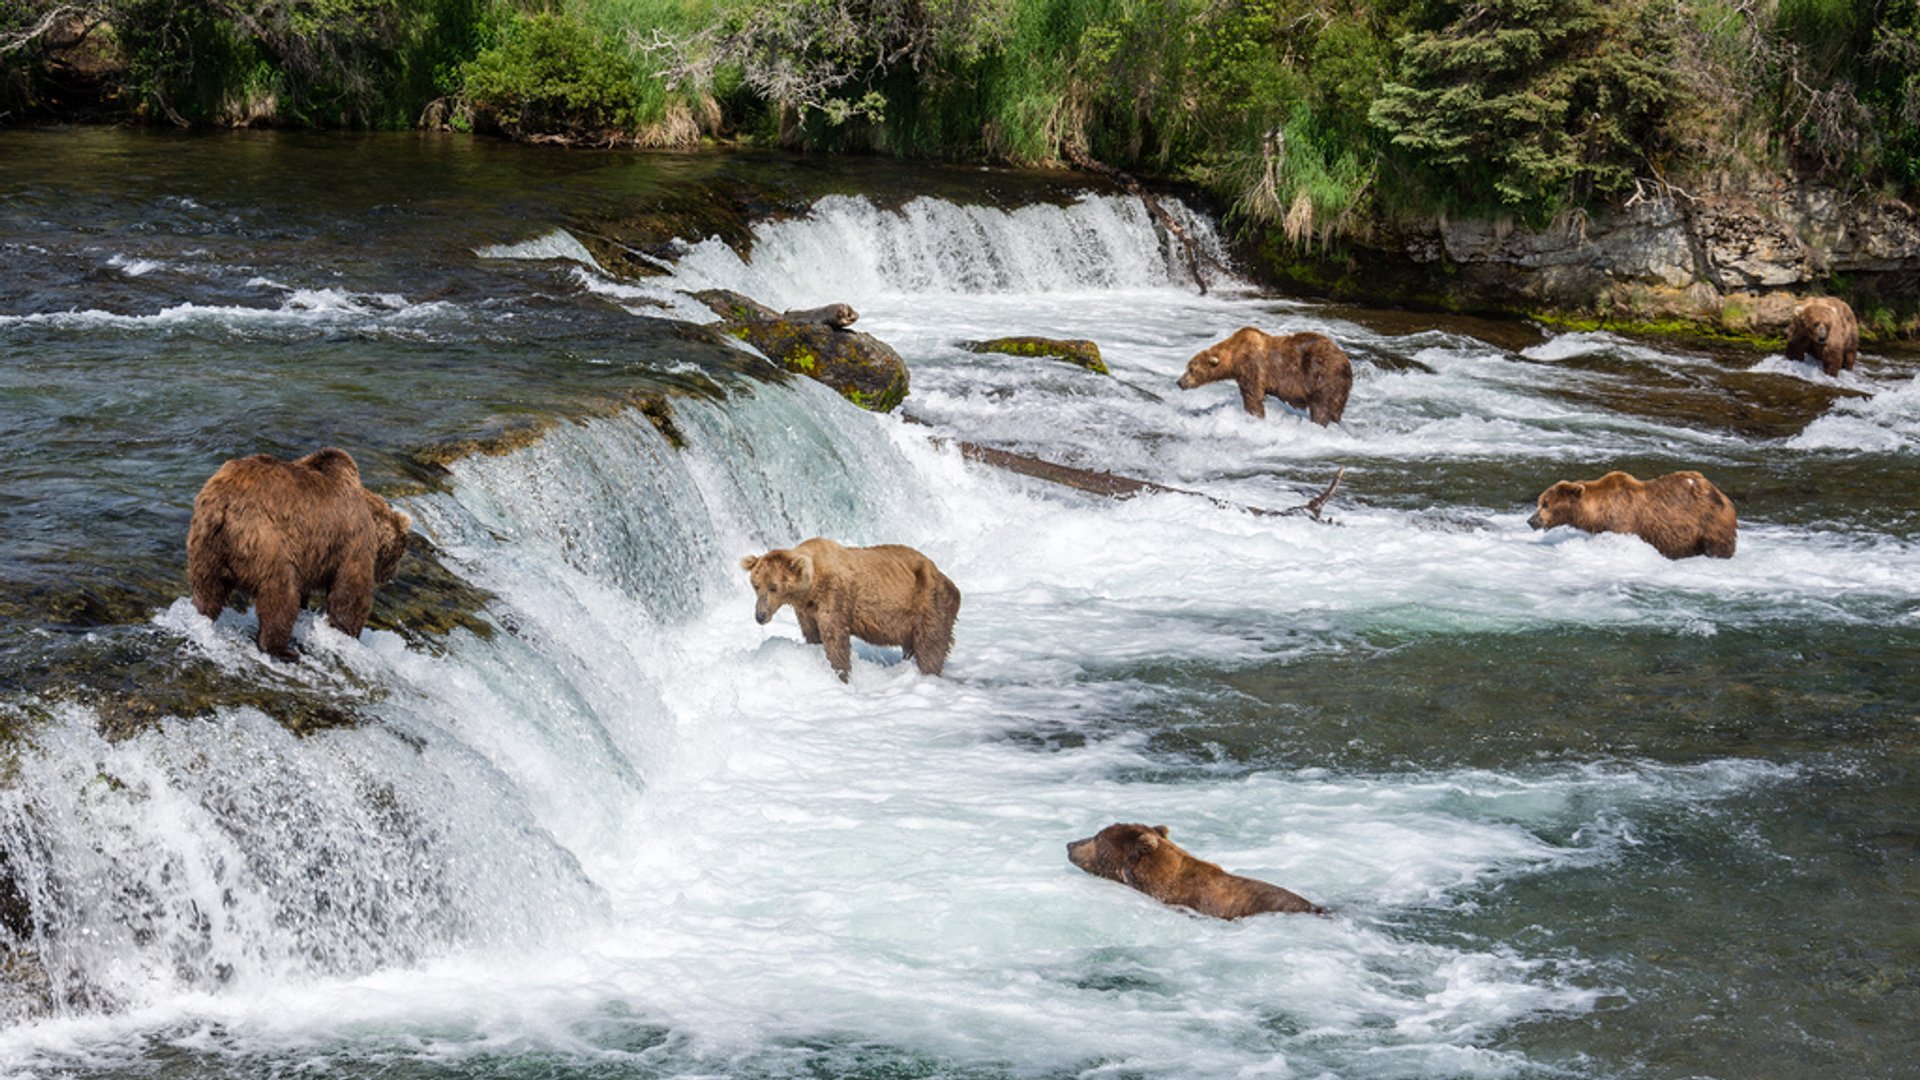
1736, 259
815, 342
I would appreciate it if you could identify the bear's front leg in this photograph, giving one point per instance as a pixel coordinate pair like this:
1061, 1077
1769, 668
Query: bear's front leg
836, 634
1254, 399
809, 625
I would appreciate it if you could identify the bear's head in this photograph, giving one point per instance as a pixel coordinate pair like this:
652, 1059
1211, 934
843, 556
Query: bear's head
1117, 851
779, 578
1558, 505
1208, 365
393, 526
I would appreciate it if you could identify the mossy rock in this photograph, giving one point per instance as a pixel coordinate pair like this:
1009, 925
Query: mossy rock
860, 367
1076, 351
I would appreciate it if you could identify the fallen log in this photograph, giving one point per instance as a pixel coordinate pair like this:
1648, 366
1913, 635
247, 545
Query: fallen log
1114, 486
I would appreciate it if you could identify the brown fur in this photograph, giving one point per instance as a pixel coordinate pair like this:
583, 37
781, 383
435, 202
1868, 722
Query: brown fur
1680, 514
1307, 371
885, 595
1145, 859
1825, 329
280, 530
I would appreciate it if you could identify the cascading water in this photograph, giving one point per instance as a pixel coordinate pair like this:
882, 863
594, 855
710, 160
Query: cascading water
632, 832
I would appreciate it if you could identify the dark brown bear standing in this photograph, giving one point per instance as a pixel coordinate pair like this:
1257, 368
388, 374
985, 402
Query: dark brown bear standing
1145, 859
1307, 371
280, 530
1681, 514
1825, 329
884, 595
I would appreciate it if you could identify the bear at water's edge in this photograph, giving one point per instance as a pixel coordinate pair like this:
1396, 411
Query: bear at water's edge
1681, 514
1307, 371
1145, 859
1825, 329
280, 530
885, 595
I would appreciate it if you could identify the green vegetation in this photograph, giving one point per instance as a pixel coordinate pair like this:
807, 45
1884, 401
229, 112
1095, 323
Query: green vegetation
1309, 118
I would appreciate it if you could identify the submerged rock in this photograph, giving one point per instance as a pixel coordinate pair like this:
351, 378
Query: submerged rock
1077, 351
814, 342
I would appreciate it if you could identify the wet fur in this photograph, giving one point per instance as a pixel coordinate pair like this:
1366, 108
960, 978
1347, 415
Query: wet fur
282, 530
1825, 329
1145, 859
1307, 371
1681, 514
884, 595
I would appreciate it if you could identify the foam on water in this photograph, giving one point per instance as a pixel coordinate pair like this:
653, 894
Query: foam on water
1886, 422
300, 309
558, 244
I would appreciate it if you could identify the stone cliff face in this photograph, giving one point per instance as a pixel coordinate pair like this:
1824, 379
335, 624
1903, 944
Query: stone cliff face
1734, 260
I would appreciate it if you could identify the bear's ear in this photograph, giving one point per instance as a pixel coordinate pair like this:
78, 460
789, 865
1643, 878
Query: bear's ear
1161, 829
403, 521
804, 565
749, 562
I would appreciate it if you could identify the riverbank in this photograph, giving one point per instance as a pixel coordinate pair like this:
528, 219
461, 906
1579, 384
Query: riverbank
1725, 265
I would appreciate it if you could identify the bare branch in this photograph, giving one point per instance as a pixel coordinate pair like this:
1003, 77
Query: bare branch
54, 18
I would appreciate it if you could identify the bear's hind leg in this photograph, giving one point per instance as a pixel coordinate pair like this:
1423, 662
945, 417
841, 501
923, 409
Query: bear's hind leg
932, 640
207, 576
277, 603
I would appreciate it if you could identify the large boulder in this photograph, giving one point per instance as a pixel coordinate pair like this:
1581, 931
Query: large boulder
1077, 351
816, 343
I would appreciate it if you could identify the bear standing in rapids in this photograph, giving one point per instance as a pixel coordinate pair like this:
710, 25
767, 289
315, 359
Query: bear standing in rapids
279, 530
884, 595
1145, 859
1307, 371
1681, 514
1825, 329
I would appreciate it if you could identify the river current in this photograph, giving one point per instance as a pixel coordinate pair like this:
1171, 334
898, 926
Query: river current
1579, 810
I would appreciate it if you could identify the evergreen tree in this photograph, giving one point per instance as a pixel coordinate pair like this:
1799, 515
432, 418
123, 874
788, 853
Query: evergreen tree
1539, 103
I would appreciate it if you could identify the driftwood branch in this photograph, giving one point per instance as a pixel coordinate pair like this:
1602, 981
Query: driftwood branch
54, 18
1114, 486
1081, 160
1313, 506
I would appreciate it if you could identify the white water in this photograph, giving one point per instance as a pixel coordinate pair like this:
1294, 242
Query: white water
636, 829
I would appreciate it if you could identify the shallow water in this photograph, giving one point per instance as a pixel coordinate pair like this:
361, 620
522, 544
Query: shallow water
1580, 810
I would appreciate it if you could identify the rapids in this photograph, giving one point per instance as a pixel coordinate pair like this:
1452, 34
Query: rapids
1578, 809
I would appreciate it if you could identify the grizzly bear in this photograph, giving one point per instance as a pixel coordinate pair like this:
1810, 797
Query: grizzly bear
1824, 328
885, 595
1681, 514
1145, 859
280, 530
1307, 371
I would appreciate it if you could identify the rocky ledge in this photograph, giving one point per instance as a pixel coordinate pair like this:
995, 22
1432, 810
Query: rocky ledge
1734, 260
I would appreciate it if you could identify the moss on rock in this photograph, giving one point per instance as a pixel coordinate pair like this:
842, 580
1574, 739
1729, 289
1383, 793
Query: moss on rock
1077, 351
860, 367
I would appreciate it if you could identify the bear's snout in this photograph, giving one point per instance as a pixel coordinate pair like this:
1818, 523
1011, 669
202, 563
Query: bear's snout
1537, 521
1186, 381
761, 614
1080, 853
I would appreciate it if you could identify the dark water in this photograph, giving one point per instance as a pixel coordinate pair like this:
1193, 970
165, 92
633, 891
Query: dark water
1583, 811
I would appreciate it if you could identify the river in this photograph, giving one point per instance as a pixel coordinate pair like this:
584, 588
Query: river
567, 810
